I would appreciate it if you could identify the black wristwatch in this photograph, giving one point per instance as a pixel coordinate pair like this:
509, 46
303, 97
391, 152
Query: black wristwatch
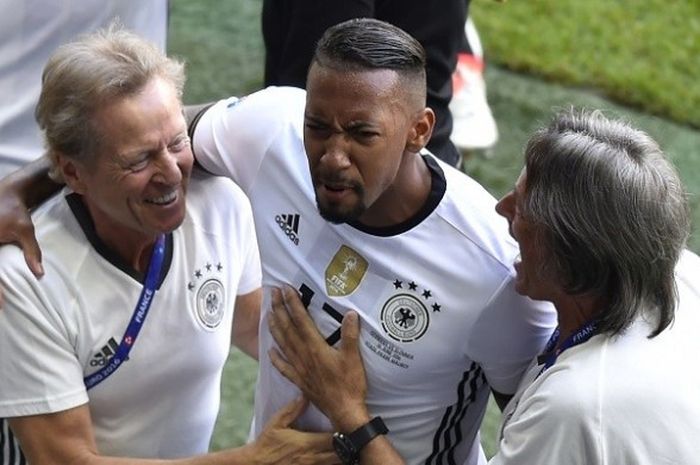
348, 446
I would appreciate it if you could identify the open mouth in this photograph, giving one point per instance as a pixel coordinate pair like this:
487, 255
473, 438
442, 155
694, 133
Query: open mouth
335, 188
336, 192
163, 199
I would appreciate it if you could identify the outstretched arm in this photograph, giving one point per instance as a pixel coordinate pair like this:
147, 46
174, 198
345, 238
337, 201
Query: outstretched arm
333, 380
67, 437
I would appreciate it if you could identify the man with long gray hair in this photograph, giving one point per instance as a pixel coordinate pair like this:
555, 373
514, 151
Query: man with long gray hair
601, 219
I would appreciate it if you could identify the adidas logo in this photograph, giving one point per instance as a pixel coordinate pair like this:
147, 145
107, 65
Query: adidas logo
290, 226
101, 358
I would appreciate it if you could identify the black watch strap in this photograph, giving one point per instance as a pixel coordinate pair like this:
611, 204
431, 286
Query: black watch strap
348, 446
365, 433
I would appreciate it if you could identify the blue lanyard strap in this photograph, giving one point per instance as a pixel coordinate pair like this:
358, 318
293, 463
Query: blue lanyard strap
137, 319
581, 335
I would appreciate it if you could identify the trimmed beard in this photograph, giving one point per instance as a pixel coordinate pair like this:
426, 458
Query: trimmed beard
333, 215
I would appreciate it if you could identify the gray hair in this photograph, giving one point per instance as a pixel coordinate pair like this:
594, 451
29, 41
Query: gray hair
363, 44
614, 214
83, 75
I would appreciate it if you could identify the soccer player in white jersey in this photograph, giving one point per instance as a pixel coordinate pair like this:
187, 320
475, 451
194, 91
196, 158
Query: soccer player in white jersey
30, 32
354, 215
116, 355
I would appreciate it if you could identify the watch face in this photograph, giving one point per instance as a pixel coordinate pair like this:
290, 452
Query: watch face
344, 449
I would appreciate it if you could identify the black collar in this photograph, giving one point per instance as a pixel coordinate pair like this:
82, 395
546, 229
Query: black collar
437, 192
82, 214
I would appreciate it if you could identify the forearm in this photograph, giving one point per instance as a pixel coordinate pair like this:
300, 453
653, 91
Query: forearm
379, 451
244, 455
248, 344
19, 192
71, 451
32, 182
240, 456
246, 320
67, 437
229, 457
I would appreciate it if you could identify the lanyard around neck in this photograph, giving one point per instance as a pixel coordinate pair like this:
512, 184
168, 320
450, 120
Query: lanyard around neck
581, 335
137, 318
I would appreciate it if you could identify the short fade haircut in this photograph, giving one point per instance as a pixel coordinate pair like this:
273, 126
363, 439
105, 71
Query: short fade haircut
363, 44
614, 214
83, 75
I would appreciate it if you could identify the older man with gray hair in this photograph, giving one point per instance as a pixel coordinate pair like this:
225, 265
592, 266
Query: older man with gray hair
601, 219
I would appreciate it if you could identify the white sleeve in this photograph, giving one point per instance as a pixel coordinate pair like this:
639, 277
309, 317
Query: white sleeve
551, 428
510, 332
40, 370
233, 136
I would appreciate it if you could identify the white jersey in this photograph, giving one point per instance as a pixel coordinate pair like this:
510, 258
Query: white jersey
30, 31
163, 401
615, 400
439, 314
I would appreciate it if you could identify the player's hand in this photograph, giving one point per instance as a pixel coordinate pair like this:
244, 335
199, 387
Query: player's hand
332, 379
280, 444
16, 228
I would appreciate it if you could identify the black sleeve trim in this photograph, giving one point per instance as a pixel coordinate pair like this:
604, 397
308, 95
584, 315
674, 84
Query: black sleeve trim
193, 126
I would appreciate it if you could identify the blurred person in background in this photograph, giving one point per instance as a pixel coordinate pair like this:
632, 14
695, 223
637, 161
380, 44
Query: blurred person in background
30, 30
456, 89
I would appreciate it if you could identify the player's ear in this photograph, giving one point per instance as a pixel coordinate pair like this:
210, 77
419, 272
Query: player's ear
70, 171
421, 130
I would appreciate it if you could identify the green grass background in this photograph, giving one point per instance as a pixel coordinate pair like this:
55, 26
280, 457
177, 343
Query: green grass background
634, 59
